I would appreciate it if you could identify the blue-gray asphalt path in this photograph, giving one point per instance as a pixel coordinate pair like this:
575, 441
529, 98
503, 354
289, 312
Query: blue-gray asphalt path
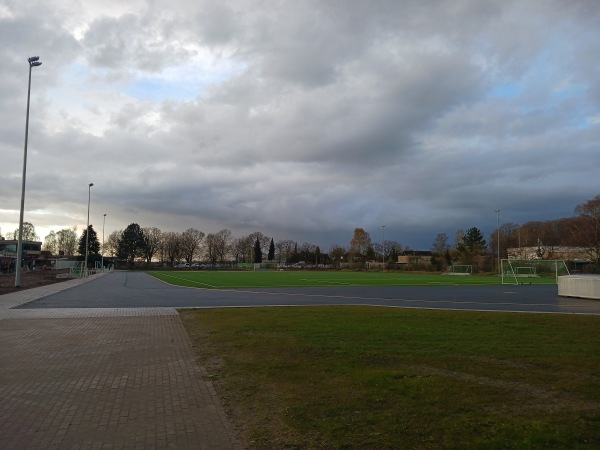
138, 290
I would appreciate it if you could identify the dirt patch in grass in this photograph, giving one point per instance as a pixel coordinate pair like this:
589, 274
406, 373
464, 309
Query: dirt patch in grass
31, 280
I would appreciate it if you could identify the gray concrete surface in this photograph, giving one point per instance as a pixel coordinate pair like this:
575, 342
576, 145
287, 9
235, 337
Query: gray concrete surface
139, 290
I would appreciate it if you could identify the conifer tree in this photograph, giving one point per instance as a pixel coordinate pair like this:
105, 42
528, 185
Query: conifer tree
257, 252
271, 255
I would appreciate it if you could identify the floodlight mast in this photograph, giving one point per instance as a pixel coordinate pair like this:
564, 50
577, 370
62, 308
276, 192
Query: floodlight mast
382, 247
87, 229
34, 61
498, 238
103, 223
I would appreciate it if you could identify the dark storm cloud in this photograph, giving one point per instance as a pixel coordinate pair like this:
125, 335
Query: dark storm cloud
303, 120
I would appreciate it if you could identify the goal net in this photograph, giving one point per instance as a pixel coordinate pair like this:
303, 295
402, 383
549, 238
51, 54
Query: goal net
459, 270
77, 269
517, 271
265, 266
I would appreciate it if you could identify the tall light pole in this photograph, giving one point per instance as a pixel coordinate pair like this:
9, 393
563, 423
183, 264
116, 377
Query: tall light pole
103, 222
498, 239
34, 61
87, 229
383, 247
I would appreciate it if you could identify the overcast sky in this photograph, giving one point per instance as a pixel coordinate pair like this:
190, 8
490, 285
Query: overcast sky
301, 120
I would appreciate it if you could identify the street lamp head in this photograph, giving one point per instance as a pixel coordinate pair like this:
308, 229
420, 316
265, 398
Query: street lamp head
35, 64
91, 184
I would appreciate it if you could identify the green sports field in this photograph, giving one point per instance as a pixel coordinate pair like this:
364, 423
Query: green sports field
243, 279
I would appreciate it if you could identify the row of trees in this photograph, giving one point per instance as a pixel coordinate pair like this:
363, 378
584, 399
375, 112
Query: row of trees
63, 242
135, 243
151, 244
29, 233
470, 248
66, 242
581, 231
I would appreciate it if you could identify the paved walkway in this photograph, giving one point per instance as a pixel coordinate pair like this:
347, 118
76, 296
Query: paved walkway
118, 378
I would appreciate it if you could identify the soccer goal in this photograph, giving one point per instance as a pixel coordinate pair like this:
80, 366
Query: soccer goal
265, 266
77, 269
458, 269
517, 271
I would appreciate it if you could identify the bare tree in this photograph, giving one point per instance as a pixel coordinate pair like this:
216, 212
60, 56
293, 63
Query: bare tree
393, 249
360, 244
217, 246
153, 238
66, 241
191, 240
307, 252
440, 244
458, 237
171, 246
337, 253
284, 250
50, 243
589, 212
210, 248
263, 240
29, 233
111, 244
242, 249
222, 244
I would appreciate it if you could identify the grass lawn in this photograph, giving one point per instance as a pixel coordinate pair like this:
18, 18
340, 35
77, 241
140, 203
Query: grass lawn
379, 378
247, 279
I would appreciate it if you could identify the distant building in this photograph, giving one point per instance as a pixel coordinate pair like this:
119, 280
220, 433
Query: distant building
415, 258
31, 251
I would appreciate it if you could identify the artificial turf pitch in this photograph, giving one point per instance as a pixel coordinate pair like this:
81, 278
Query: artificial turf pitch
250, 279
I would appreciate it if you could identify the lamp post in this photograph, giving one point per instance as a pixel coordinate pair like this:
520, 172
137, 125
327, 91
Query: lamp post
499, 262
34, 61
103, 222
87, 229
382, 247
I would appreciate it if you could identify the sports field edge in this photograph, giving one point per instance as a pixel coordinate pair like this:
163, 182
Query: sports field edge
274, 279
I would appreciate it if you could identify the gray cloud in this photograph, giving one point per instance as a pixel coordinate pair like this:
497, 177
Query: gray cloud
302, 121
133, 43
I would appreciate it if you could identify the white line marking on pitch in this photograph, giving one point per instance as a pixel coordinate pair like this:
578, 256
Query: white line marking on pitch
188, 280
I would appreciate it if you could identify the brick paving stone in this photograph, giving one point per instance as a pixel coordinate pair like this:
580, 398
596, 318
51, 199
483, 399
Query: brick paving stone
110, 378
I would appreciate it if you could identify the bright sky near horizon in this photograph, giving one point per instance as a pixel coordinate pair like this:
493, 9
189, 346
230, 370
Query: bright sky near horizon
301, 120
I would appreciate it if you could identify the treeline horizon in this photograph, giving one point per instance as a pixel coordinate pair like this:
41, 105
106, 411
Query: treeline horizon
581, 230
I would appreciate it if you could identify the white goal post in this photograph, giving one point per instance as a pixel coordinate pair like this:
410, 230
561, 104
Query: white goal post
265, 266
457, 269
517, 271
